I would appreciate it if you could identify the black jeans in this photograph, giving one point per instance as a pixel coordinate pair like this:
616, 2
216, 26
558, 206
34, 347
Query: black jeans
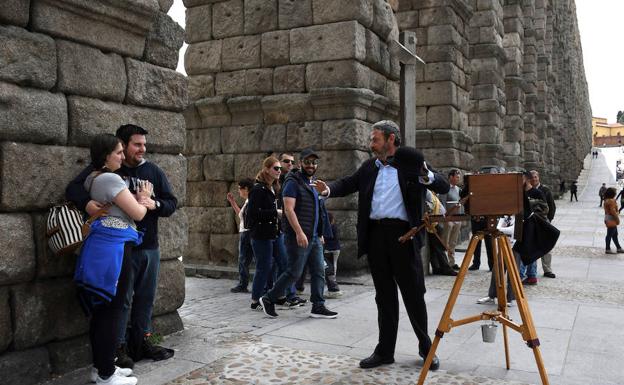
105, 320
573, 194
391, 264
612, 233
488, 250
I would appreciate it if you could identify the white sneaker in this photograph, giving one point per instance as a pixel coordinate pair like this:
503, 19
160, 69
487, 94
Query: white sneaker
511, 303
485, 301
333, 294
120, 371
117, 379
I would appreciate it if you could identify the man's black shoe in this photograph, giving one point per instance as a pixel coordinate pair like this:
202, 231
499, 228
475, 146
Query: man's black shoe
268, 307
239, 289
473, 267
122, 359
374, 361
320, 311
549, 274
155, 352
435, 363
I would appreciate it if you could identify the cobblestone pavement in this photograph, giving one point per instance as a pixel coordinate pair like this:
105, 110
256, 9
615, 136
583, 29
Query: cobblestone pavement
578, 316
254, 364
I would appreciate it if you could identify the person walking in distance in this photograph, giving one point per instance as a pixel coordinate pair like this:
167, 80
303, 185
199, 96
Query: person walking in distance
134, 342
391, 196
303, 229
535, 182
621, 197
245, 252
612, 221
601, 193
573, 189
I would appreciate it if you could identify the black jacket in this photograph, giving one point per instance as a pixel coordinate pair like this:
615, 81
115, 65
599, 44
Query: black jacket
262, 219
76, 193
363, 182
305, 207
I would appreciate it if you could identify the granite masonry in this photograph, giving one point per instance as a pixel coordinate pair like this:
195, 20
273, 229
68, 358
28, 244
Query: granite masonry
274, 76
70, 69
503, 84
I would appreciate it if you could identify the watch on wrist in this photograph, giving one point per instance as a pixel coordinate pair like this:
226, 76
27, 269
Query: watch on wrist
157, 203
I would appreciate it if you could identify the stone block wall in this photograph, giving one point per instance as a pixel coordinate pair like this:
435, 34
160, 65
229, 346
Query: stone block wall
513, 92
70, 69
443, 83
280, 75
502, 85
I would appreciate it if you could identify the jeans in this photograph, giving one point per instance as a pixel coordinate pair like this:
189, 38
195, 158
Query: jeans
245, 255
488, 250
297, 259
529, 271
279, 265
612, 233
263, 250
331, 259
141, 293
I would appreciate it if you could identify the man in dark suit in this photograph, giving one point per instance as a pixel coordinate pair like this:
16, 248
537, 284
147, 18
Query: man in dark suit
391, 189
535, 182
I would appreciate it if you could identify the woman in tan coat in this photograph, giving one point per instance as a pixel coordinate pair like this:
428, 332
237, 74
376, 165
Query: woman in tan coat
612, 220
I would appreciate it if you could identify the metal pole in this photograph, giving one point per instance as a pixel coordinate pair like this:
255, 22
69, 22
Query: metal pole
408, 92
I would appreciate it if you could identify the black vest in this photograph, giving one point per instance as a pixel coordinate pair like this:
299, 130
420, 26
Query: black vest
304, 207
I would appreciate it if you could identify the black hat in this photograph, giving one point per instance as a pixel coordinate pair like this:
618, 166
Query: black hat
308, 152
409, 160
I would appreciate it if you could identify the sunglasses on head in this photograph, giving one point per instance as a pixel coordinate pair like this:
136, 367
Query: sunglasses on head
310, 162
277, 168
289, 161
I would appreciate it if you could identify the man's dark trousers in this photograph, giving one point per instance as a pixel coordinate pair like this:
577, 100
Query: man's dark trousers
393, 263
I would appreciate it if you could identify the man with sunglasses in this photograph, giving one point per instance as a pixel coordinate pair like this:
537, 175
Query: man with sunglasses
303, 230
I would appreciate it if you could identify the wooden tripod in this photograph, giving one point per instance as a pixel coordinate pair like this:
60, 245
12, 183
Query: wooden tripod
503, 257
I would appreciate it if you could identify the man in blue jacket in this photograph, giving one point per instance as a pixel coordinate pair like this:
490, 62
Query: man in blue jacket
303, 230
145, 257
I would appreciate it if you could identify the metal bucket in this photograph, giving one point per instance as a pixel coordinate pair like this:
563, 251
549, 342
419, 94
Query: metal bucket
488, 332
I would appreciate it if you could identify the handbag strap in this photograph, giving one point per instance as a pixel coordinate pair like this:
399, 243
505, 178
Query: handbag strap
100, 213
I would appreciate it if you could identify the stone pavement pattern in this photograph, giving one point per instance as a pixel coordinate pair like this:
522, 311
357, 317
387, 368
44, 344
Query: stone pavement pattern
578, 317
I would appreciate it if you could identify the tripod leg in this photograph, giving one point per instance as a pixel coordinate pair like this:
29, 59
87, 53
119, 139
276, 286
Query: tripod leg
444, 325
498, 250
529, 334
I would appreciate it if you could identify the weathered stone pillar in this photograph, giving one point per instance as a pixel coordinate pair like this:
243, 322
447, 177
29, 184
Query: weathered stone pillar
513, 43
487, 96
280, 75
529, 71
69, 70
441, 89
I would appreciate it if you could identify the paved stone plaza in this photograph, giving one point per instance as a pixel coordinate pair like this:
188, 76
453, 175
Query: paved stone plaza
578, 316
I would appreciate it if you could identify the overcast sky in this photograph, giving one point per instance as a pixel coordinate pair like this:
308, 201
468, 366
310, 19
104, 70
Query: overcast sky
601, 35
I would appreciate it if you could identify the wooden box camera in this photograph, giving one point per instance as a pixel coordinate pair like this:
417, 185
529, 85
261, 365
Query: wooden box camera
494, 194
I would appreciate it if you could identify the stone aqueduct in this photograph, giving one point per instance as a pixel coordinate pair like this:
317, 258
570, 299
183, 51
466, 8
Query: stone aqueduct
504, 84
